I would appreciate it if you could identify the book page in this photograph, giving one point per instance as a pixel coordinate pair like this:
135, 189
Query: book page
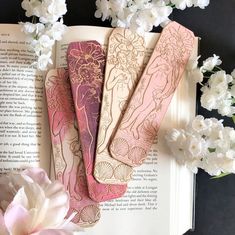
146, 208
24, 131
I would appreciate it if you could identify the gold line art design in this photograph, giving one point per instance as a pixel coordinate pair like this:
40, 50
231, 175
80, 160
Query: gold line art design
139, 126
86, 85
123, 67
69, 167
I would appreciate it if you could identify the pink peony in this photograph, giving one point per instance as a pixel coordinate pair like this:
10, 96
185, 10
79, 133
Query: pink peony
31, 204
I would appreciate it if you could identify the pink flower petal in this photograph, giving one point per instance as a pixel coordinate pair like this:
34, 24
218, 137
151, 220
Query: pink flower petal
16, 219
3, 229
38, 175
53, 232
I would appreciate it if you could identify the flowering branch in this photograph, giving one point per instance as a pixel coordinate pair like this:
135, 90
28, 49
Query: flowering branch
46, 27
141, 15
206, 143
218, 93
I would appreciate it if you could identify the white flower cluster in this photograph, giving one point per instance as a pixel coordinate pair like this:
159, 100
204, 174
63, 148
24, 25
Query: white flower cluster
219, 91
205, 144
141, 15
49, 28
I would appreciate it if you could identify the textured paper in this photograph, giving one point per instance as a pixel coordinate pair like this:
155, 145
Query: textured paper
86, 62
69, 167
123, 67
153, 94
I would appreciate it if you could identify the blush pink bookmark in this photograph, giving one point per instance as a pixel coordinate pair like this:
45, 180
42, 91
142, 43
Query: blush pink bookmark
152, 96
86, 62
69, 167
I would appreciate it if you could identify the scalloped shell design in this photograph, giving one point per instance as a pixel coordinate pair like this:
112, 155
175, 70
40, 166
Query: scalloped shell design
123, 172
103, 170
120, 147
137, 155
90, 214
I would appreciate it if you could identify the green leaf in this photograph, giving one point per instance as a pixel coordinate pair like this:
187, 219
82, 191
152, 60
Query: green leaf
233, 117
221, 175
233, 100
211, 150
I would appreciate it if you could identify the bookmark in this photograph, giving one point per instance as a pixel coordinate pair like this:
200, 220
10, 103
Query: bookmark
123, 67
86, 69
69, 167
149, 103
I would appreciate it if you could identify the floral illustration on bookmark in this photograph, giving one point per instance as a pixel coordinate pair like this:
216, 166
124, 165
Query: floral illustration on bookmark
69, 167
123, 67
86, 70
149, 103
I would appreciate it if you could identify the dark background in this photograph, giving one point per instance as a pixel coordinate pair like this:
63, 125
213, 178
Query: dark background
215, 199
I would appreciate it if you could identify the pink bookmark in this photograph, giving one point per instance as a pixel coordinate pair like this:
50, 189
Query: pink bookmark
149, 103
86, 70
69, 167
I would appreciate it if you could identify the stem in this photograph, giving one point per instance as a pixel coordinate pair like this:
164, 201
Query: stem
171, 5
217, 67
34, 19
220, 176
233, 117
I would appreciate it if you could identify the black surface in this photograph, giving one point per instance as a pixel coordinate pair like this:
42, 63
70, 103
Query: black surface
215, 200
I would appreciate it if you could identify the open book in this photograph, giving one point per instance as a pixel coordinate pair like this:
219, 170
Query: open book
160, 198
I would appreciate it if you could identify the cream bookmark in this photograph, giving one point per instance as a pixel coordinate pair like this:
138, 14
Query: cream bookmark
69, 167
124, 63
153, 94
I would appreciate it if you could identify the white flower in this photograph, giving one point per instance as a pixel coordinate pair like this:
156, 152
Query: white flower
176, 141
182, 4
43, 61
201, 3
140, 15
52, 10
210, 164
208, 99
206, 144
200, 125
195, 147
220, 78
56, 31
45, 41
103, 9
195, 75
210, 63
28, 28
192, 64
44, 34
225, 108
233, 74
232, 90
32, 7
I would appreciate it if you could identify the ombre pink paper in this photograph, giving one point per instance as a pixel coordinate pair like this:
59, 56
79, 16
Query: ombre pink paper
69, 167
153, 94
86, 62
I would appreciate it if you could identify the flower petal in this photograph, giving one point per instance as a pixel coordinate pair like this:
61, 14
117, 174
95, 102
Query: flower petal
53, 232
3, 229
16, 220
58, 205
38, 175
